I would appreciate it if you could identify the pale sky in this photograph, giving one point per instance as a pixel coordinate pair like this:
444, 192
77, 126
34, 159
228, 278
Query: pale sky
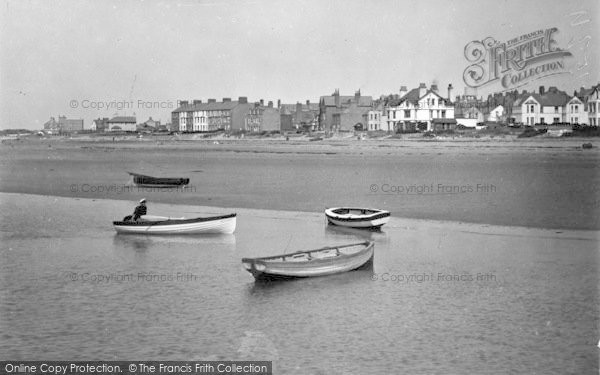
54, 53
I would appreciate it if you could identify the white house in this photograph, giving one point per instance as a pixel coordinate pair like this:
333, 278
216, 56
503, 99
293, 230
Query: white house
575, 112
592, 100
122, 123
420, 105
543, 108
377, 119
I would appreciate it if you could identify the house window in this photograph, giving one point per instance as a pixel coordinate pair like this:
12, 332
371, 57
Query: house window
531, 109
576, 108
407, 113
542, 109
556, 120
555, 109
443, 114
542, 121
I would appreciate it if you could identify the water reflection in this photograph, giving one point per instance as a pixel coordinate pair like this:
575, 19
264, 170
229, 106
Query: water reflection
141, 242
338, 232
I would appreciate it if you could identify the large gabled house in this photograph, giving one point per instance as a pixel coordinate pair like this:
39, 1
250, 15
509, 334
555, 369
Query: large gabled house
544, 107
421, 108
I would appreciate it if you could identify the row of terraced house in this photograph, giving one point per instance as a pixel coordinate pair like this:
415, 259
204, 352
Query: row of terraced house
421, 108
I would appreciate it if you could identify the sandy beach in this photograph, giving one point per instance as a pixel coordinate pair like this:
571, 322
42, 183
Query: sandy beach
545, 183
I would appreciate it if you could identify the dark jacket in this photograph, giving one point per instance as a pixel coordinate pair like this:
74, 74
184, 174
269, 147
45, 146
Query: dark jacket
139, 211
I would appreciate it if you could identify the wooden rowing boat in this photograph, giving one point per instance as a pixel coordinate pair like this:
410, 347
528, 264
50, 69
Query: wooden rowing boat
364, 218
149, 181
164, 225
320, 262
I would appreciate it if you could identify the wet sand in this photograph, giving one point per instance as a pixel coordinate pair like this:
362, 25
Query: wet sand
544, 183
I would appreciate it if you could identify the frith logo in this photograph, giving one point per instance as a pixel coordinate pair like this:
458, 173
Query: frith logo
516, 62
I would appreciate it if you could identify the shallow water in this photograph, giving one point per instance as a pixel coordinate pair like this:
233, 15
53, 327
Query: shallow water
509, 184
441, 297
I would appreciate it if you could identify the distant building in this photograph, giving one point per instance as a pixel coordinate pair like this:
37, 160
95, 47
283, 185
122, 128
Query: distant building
344, 113
226, 115
122, 123
541, 108
99, 125
419, 107
262, 118
576, 112
63, 125
149, 125
377, 119
591, 98
51, 125
303, 116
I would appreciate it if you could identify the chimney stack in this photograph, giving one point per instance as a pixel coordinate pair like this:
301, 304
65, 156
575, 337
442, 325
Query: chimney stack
197, 101
402, 91
336, 96
243, 100
542, 90
278, 103
262, 103
450, 92
183, 103
434, 88
308, 103
212, 100
225, 100
422, 90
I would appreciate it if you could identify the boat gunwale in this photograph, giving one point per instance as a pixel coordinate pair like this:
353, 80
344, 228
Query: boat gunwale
377, 214
172, 222
367, 245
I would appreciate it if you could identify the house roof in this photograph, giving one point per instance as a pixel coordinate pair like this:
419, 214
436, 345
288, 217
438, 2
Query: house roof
291, 108
551, 98
122, 119
363, 101
216, 106
413, 97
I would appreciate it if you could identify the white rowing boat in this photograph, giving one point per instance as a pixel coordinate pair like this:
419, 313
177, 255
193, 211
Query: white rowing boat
320, 262
164, 225
357, 217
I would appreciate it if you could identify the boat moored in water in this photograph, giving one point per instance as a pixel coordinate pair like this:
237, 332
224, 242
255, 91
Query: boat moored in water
366, 218
161, 182
165, 225
319, 262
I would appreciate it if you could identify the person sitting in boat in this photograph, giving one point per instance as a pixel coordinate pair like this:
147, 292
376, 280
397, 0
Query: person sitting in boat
140, 210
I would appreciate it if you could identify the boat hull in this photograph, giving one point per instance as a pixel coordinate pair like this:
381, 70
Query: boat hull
373, 219
267, 268
212, 225
158, 182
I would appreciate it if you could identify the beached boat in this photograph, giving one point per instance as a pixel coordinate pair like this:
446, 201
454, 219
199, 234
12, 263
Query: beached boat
366, 218
319, 262
149, 181
165, 225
